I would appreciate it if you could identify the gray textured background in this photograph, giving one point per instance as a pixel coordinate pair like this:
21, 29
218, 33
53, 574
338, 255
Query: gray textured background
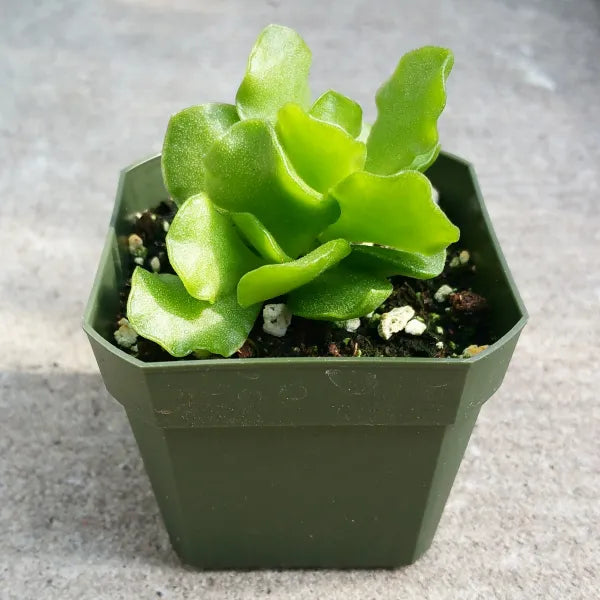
87, 87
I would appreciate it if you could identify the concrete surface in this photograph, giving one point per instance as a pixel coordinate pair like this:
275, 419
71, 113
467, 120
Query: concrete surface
87, 87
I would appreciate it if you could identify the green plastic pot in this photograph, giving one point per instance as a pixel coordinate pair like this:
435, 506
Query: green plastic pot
304, 462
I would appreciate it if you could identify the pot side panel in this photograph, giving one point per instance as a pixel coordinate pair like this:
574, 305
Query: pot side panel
337, 497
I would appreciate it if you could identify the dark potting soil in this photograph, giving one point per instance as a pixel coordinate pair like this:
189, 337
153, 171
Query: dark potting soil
457, 323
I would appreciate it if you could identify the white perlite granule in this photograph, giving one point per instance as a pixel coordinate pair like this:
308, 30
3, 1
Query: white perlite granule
155, 264
395, 321
136, 245
125, 336
442, 294
350, 325
415, 327
277, 318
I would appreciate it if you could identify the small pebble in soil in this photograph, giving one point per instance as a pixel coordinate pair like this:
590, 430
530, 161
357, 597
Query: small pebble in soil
125, 336
395, 321
247, 350
136, 246
467, 301
277, 319
415, 327
333, 349
473, 349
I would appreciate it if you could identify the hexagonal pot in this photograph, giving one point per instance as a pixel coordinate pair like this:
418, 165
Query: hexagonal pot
305, 462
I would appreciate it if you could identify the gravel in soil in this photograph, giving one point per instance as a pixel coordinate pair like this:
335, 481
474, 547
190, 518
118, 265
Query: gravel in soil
457, 326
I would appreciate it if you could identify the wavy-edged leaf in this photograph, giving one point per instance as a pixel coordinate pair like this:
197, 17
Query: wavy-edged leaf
247, 171
340, 110
206, 250
189, 135
270, 281
395, 210
404, 135
259, 237
387, 262
160, 309
277, 73
339, 294
321, 153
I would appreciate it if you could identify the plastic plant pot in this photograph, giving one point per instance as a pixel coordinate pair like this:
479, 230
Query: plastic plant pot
305, 462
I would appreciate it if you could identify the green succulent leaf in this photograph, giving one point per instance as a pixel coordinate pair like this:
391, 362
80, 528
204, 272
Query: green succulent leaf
405, 135
388, 262
259, 237
190, 134
160, 309
270, 281
206, 250
277, 73
340, 293
396, 211
321, 153
247, 171
340, 110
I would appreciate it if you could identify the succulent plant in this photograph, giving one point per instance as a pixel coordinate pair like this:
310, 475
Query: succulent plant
278, 196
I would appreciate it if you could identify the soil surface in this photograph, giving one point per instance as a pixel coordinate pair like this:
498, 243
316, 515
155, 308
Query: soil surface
457, 326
